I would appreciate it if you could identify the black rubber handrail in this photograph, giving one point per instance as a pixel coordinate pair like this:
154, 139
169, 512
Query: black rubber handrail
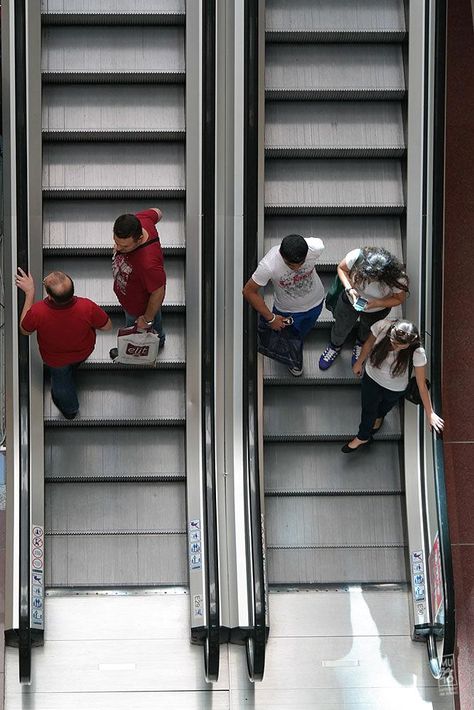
258, 632
440, 661
24, 630
212, 631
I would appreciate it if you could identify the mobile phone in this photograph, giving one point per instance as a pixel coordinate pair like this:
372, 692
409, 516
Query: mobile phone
360, 304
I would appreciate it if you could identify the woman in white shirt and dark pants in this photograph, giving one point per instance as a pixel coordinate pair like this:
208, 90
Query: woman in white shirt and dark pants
387, 354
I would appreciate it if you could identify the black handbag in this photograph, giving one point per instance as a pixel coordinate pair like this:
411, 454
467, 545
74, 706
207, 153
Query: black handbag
412, 393
285, 345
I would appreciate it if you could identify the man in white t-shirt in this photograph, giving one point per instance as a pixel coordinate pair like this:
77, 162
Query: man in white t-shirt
297, 289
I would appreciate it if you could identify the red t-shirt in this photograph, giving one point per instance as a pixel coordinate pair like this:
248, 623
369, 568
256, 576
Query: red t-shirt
66, 333
141, 271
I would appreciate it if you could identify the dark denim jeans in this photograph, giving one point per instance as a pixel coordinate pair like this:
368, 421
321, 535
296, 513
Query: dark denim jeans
63, 388
377, 401
157, 325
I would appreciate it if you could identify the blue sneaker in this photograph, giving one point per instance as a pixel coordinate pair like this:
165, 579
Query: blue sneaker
356, 352
328, 356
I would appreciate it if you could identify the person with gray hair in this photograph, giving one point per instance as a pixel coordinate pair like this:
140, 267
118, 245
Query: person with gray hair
66, 331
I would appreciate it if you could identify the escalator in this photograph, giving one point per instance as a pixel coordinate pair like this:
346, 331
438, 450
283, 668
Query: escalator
334, 145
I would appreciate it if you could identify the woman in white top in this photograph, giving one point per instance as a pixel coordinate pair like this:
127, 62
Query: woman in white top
387, 354
378, 277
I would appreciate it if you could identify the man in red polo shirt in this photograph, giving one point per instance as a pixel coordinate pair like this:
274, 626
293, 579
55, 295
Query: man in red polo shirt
65, 326
138, 270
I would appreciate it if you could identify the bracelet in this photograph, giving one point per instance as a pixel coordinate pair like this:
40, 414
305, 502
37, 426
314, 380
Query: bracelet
273, 319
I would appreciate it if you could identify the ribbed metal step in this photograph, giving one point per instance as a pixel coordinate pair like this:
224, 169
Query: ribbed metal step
115, 560
75, 226
93, 278
151, 12
144, 397
171, 356
333, 186
334, 71
310, 21
307, 468
337, 129
80, 112
116, 168
320, 412
339, 234
336, 565
143, 453
109, 54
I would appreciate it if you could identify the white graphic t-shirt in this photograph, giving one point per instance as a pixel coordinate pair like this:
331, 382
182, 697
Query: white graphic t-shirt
372, 289
382, 374
294, 291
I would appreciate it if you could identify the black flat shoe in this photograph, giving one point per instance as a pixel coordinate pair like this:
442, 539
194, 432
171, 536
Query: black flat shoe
346, 449
374, 431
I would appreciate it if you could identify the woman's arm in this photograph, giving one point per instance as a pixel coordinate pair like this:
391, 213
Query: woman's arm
364, 354
343, 272
396, 299
434, 421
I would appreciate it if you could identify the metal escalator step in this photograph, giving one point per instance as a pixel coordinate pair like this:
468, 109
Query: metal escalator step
154, 12
319, 468
339, 234
109, 51
126, 167
172, 356
145, 397
93, 277
339, 373
113, 112
308, 20
75, 226
335, 129
114, 454
320, 412
336, 71
115, 560
333, 186
335, 565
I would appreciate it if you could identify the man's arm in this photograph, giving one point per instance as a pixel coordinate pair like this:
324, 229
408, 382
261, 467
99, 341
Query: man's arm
154, 304
27, 285
252, 295
107, 326
158, 212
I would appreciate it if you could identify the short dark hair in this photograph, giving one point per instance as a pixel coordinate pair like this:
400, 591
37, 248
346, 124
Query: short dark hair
294, 249
127, 225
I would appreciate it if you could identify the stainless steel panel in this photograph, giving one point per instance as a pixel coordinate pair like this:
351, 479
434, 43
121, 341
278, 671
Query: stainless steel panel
330, 521
171, 356
332, 412
324, 15
340, 565
113, 166
345, 611
115, 6
343, 67
75, 224
111, 452
103, 508
115, 560
304, 126
133, 108
93, 277
320, 467
113, 49
339, 234
126, 396
334, 183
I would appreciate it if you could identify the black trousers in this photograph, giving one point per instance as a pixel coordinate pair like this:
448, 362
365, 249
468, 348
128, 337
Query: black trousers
377, 401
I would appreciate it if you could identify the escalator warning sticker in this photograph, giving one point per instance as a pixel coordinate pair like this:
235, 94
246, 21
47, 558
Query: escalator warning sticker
37, 583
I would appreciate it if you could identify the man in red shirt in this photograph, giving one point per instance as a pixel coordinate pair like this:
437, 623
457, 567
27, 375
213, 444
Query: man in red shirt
65, 326
138, 270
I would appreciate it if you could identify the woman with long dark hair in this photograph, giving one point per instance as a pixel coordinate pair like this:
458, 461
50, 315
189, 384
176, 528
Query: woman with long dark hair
392, 348
374, 282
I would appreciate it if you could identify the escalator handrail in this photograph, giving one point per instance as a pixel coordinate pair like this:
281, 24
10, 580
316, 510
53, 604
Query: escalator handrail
212, 631
448, 632
256, 641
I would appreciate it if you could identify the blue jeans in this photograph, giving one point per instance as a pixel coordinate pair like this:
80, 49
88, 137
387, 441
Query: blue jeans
157, 325
377, 401
303, 322
63, 388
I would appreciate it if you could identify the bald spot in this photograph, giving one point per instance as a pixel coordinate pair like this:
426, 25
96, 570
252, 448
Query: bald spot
58, 284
